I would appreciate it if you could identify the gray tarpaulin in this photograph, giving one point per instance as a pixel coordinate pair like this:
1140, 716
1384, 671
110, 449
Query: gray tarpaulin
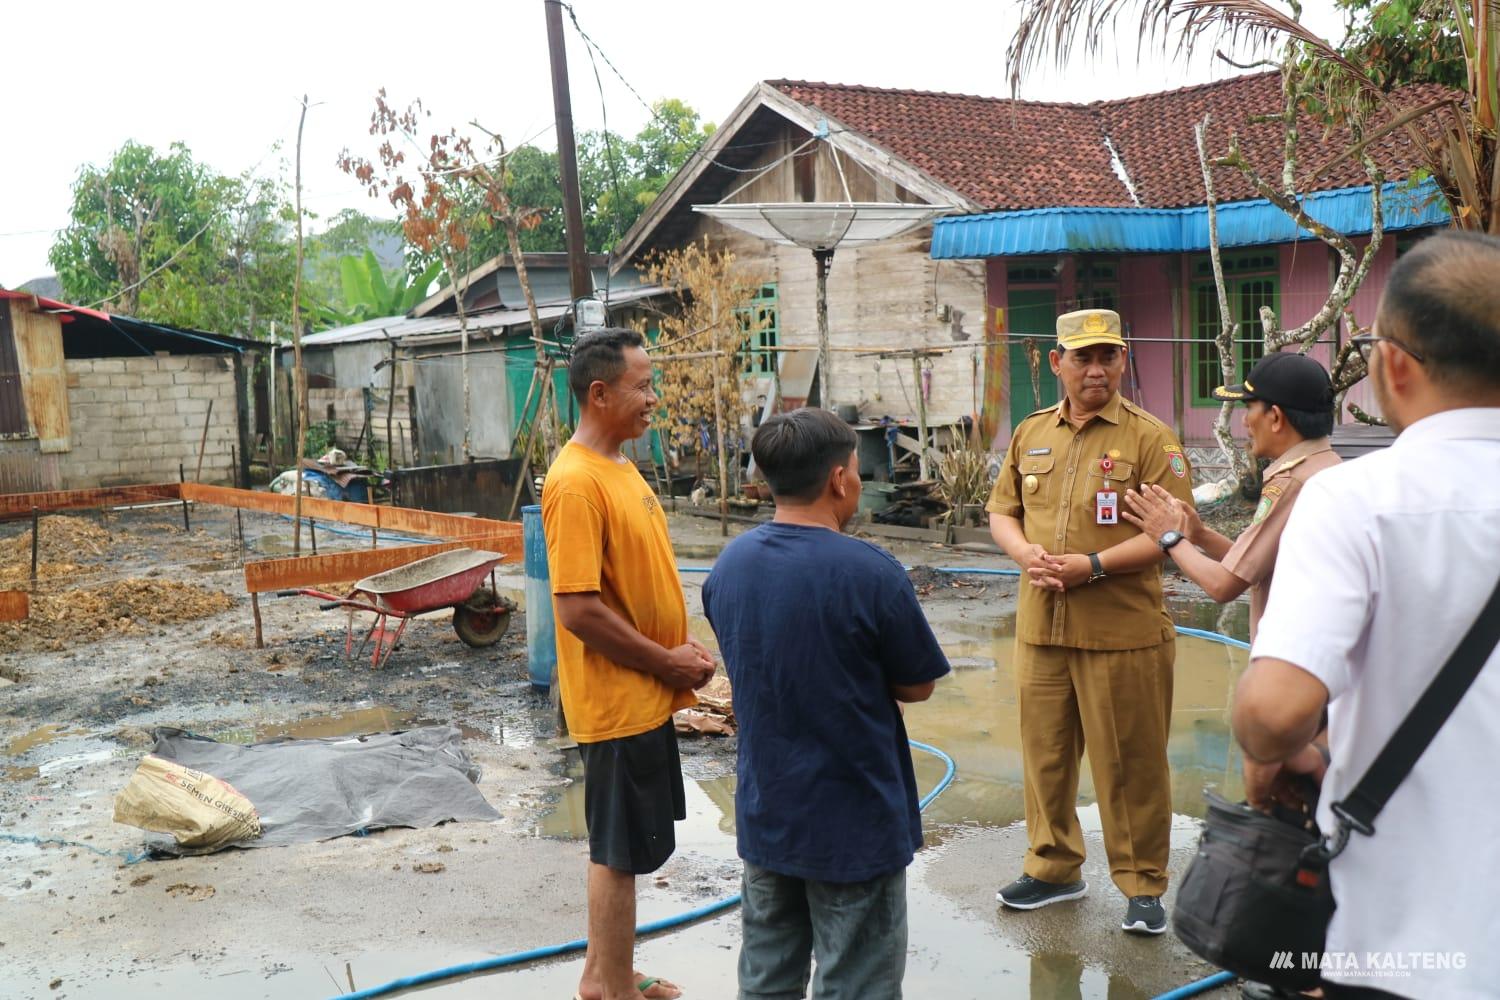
310, 790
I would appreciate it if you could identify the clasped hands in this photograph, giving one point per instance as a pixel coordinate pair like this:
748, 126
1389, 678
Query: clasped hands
1153, 510
690, 665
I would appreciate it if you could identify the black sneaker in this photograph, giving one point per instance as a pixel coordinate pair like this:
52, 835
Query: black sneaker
1027, 893
1145, 915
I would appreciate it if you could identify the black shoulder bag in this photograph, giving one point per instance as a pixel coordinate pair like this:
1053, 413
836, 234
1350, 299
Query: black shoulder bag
1257, 891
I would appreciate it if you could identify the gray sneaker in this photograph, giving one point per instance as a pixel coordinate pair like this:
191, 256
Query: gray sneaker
1027, 893
1145, 915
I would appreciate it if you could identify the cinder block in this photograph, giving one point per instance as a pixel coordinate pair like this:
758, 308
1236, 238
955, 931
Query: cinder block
159, 407
129, 410
204, 392
174, 393
187, 378
112, 394
191, 405
156, 378
92, 379
109, 366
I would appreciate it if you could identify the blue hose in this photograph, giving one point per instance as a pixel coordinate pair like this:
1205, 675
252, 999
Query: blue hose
1200, 986
1213, 637
666, 923
130, 857
333, 529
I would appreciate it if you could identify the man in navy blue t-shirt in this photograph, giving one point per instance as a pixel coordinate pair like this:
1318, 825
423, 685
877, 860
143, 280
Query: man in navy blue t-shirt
822, 636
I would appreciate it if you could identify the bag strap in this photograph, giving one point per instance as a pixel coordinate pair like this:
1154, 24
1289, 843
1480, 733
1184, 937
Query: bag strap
1359, 808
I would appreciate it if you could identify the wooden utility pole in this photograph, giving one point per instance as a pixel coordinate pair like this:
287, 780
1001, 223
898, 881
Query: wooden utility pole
299, 374
580, 278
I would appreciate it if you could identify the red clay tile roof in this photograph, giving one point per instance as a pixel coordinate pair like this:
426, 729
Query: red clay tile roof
1008, 154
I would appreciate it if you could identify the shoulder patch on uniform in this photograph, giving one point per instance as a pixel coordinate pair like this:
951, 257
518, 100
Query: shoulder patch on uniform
1179, 465
1268, 497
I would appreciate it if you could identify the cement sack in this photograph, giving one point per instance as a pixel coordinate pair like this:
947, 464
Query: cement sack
200, 811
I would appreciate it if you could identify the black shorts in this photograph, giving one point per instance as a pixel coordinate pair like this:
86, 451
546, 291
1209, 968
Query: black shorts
632, 794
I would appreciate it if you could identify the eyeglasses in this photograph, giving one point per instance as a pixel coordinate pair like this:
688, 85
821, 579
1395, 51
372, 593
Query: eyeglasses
1366, 343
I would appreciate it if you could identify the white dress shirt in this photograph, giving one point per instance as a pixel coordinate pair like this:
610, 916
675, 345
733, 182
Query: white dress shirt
1385, 564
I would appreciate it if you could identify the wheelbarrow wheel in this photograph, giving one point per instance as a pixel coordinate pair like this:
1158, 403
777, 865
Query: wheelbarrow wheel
483, 618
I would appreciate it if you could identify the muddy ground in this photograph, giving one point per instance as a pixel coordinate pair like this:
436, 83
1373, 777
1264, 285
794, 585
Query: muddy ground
80, 693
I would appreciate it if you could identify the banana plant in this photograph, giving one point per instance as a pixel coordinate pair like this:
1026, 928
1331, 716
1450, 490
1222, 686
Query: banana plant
367, 294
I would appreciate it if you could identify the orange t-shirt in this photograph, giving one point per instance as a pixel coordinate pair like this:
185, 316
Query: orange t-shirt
607, 533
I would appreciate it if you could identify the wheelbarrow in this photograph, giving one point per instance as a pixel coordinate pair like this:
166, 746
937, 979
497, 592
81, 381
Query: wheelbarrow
447, 580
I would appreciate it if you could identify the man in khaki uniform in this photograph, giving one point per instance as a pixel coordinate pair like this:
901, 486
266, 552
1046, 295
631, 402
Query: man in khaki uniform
1288, 416
1095, 646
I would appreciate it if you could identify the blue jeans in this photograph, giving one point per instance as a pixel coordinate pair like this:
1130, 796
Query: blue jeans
855, 930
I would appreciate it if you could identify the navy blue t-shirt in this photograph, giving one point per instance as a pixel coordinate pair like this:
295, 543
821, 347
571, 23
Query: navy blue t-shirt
815, 627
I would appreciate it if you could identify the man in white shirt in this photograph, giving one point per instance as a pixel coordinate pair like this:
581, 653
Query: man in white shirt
1384, 566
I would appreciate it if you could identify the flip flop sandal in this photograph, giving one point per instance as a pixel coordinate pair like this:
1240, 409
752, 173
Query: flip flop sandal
650, 981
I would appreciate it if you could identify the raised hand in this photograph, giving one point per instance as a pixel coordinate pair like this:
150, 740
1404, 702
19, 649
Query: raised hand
1156, 512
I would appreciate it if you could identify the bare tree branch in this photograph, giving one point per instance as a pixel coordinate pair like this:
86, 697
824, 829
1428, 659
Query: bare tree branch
1227, 326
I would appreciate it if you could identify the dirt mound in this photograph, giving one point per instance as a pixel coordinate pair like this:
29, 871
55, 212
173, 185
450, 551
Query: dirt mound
123, 607
63, 540
66, 544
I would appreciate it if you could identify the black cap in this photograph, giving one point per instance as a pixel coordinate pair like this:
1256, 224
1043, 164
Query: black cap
1287, 379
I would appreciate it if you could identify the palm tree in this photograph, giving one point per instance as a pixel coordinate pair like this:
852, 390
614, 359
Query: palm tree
1456, 137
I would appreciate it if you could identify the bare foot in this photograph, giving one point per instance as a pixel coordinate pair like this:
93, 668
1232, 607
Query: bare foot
658, 988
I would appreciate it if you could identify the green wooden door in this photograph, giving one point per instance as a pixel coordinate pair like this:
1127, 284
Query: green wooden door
1031, 311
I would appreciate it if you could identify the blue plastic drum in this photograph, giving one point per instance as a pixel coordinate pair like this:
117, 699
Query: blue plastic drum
541, 638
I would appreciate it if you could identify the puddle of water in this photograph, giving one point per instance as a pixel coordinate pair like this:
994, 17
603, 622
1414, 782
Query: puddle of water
972, 715
40, 736
52, 748
380, 719
710, 813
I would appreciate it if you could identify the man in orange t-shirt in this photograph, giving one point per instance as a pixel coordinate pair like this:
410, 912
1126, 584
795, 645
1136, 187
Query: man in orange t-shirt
625, 662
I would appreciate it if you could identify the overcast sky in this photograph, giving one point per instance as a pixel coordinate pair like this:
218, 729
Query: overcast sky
80, 78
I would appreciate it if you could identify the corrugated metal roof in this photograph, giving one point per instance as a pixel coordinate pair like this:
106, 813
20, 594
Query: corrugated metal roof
1069, 229
434, 328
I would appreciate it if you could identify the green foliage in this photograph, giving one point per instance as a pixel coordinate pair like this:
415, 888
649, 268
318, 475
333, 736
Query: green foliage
366, 291
321, 435
164, 238
1397, 42
617, 179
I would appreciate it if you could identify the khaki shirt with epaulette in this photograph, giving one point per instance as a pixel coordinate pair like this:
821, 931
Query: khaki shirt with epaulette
1252, 558
1049, 481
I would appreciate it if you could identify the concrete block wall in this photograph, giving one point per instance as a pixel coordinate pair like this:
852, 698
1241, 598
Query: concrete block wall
134, 419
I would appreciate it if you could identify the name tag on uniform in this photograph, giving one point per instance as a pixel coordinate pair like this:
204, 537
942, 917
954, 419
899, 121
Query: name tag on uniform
1039, 451
1106, 507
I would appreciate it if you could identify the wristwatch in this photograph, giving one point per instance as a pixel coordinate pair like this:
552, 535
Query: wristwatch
1170, 539
1096, 568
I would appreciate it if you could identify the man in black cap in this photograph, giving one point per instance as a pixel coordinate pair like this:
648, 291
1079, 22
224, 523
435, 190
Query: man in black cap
1288, 416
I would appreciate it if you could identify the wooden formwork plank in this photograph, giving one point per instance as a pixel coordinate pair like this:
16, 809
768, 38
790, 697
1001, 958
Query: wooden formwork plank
285, 574
15, 605
394, 519
275, 503
20, 504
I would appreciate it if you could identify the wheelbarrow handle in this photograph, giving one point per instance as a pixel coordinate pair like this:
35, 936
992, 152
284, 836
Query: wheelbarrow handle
331, 606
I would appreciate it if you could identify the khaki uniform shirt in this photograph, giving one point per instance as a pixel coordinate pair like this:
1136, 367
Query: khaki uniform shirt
1049, 480
1253, 555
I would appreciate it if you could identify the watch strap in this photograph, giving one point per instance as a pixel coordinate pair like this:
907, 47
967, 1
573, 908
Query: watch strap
1096, 568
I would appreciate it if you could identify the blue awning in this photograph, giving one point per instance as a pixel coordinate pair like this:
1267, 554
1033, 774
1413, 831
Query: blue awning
1178, 230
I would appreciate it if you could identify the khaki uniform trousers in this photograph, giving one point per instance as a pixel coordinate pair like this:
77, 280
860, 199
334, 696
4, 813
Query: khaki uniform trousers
1117, 705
